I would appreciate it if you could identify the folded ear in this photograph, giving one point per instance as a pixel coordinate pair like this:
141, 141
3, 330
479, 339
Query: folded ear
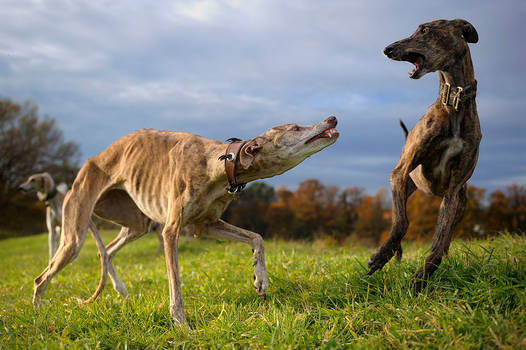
468, 31
249, 150
47, 182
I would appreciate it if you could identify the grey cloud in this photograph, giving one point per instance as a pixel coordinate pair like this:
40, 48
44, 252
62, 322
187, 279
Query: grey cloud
235, 68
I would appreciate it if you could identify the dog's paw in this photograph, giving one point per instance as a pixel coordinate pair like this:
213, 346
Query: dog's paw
37, 302
418, 283
179, 318
382, 256
398, 253
261, 286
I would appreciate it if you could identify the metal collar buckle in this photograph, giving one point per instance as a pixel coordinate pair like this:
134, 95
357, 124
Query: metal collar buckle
455, 98
445, 89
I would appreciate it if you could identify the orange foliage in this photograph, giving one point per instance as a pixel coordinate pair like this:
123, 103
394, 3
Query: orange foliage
318, 211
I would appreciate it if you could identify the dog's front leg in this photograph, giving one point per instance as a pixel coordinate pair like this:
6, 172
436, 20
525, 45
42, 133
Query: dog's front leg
171, 237
52, 239
401, 187
222, 229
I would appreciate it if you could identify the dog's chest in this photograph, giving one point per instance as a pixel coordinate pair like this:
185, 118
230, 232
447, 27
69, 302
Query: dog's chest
206, 209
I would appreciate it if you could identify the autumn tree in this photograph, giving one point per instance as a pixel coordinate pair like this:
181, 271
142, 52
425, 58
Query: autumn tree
279, 218
472, 221
345, 213
517, 208
507, 210
307, 206
497, 214
372, 219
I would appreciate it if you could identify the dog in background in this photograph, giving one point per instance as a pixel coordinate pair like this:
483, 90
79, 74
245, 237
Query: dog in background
53, 198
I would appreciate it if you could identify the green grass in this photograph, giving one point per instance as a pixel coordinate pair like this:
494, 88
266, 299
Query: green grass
318, 298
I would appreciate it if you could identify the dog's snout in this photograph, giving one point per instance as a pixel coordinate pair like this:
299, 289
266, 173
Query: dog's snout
388, 51
20, 188
332, 120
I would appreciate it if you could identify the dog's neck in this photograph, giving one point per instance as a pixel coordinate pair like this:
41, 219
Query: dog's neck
460, 75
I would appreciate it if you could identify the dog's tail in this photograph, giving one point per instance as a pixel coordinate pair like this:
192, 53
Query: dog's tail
404, 128
104, 261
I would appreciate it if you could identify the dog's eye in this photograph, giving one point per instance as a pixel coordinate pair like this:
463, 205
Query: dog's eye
296, 128
424, 30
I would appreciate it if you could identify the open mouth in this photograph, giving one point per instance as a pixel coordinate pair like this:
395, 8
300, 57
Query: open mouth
327, 134
416, 59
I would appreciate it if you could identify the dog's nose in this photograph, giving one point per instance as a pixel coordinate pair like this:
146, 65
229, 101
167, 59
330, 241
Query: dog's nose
388, 50
20, 188
331, 120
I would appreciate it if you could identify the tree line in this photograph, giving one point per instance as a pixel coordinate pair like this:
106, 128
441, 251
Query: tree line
317, 211
31, 144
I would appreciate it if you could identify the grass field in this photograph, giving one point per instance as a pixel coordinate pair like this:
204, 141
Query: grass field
318, 298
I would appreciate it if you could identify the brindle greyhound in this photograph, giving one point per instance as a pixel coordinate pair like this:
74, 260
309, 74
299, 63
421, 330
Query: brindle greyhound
176, 179
441, 150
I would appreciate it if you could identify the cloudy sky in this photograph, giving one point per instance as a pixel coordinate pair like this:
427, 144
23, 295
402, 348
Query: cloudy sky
234, 68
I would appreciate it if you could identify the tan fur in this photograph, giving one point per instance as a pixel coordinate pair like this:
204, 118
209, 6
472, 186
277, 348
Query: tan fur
441, 150
176, 179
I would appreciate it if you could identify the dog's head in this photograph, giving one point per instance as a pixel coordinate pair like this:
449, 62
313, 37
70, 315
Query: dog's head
435, 46
283, 147
41, 183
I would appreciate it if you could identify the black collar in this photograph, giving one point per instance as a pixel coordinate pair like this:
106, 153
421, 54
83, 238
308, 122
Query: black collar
51, 194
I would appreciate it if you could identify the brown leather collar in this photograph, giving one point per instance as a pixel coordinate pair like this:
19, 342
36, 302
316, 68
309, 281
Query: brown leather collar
456, 96
230, 158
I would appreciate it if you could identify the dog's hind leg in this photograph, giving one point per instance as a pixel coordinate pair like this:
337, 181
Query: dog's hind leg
222, 229
104, 260
78, 206
449, 215
118, 207
125, 236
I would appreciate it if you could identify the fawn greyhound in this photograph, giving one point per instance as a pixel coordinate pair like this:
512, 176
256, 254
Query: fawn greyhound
441, 150
176, 179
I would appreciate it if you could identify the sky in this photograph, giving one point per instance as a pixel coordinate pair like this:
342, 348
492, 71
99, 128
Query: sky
235, 68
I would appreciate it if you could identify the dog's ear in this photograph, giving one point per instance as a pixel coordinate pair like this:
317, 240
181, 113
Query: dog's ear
249, 150
468, 31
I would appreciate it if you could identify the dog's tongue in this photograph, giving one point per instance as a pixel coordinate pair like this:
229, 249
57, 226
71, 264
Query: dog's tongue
417, 64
